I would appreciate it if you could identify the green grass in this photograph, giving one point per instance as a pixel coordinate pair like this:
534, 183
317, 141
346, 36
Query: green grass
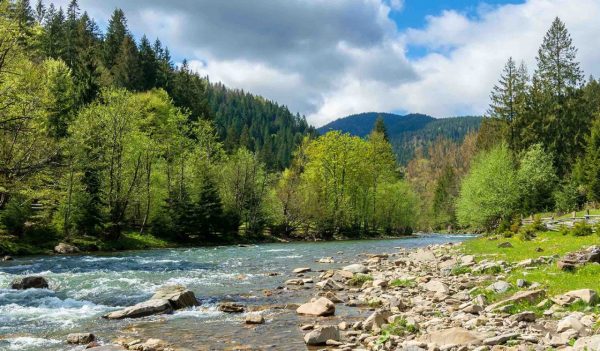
359, 279
404, 283
399, 327
552, 243
556, 281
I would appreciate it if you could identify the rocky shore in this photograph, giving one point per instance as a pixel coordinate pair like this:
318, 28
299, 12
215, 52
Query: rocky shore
432, 298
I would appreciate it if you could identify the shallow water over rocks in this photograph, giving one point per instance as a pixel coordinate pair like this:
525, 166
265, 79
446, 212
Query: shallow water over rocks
84, 287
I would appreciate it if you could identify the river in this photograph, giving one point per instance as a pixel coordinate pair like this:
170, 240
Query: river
84, 287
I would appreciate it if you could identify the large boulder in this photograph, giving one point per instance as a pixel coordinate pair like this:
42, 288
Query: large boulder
452, 336
320, 335
317, 307
589, 343
178, 296
80, 338
65, 249
29, 283
356, 268
588, 296
142, 309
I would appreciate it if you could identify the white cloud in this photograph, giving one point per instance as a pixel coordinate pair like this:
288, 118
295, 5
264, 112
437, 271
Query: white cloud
329, 58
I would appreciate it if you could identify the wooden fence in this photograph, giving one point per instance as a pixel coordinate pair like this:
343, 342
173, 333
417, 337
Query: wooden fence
555, 224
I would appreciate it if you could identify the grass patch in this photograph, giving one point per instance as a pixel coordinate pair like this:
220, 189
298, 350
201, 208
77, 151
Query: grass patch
557, 282
403, 283
460, 270
400, 327
551, 243
359, 279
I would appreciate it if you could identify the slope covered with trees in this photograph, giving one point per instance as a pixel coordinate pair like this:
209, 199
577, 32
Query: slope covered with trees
407, 133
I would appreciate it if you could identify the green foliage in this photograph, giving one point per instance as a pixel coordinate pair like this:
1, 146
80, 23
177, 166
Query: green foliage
400, 327
489, 192
581, 229
16, 214
359, 279
536, 179
403, 283
460, 270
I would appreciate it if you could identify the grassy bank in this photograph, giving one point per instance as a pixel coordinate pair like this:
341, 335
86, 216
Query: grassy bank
550, 276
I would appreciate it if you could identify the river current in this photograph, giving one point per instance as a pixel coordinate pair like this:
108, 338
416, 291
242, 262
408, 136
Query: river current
84, 287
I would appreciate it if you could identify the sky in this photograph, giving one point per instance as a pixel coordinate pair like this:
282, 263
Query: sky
330, 58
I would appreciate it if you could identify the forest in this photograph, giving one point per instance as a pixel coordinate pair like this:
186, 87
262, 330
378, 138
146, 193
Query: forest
103, 137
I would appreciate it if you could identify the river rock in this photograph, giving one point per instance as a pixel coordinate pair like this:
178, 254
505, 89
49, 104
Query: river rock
80, 338
320, 335
452, 336
107, 348
301, 270
254, 318
326, 260
525, 316
329, 285
65, 249
376, 320
356, 268
570, 322
231, 307
179, 296
500, 339
436, 286
142, 309
29, 283
7, 258
317, 307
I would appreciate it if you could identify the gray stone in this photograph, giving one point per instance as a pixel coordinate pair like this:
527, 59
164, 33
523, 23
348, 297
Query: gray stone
588, 296
29, 283
178, 295
254, 318
452, 336
80, 338
143, 309
231, 307
436, 286
317, 307
320, 335
302, 270
65, 249
500, 339
525, 316
356, 268
499, 287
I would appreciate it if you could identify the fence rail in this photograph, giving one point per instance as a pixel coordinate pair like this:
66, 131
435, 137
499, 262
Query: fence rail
555, 224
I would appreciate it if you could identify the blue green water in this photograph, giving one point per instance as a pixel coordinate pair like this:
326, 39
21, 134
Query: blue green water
84, 287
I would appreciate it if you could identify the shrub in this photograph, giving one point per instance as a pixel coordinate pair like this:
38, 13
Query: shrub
460, 270
399, 327
564, 230
508, 234
359, 279
581, 229
527, 233
403, 283
16, 213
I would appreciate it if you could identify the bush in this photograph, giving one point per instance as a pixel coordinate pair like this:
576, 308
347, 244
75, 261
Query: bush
359, 279
15, 215
564, 230
581, 229
528, 233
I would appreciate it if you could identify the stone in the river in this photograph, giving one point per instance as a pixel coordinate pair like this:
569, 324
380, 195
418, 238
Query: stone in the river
356, 268
143, 309
178, 295
317, 307
65, 249
301, 270
254, 318
80, 338
329, 284
7, 258
321, 335
436, 286
452, 336
29, 283
231, 307
326, 260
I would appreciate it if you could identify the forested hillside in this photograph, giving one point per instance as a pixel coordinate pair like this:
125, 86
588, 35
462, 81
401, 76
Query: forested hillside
407, 133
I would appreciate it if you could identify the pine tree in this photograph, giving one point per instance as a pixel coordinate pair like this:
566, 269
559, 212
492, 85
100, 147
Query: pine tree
126, 72
40, 12
148, 65
564, 122
115, 35
380, 128
508, 99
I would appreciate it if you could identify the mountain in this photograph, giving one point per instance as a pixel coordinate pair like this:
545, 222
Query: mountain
408, 132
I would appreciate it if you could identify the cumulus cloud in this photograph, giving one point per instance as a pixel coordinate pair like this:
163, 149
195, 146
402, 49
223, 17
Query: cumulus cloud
329, 58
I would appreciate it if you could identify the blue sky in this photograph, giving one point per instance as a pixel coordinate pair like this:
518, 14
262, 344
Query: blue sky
330, 58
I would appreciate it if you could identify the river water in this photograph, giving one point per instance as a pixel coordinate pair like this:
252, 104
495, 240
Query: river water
84, 287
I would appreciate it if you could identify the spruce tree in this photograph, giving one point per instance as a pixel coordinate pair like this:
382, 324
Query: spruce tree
508, 99
380, 128
148, 65
115, 35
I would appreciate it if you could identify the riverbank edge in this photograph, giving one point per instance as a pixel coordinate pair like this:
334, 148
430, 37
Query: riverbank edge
135, 242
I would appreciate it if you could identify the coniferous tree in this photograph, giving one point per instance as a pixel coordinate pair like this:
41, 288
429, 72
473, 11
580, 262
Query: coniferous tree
126, 72
148, 65
115, 35
380, 128
508, 99
557, 80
